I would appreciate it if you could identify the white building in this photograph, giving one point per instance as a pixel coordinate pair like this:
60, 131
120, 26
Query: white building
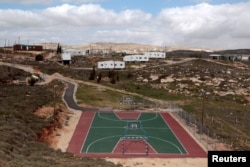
74, 52
66, 58
136, 58
215, 56
245, 57
111, 64
158, 55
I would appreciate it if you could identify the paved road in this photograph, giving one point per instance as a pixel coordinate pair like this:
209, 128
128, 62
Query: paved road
69, 95
70, 100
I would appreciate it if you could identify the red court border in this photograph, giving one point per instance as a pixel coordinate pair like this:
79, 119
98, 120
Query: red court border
80, 133
194, 150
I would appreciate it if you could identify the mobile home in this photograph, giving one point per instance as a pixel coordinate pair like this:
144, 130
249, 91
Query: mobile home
159, 55
74, 52
111, 64
66, 58
136, 58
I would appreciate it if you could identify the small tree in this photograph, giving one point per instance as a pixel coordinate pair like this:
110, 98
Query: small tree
129, 75
92, 74
99, 77
113, 77
59, 49
110, 74
113, 80
39, 57
117, 76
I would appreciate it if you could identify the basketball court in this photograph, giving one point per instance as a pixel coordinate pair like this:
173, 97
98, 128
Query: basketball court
132, 134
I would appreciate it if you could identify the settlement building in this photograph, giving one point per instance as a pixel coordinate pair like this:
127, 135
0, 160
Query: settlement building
66, 58
110, 64
215, 56
136, 58
74, 52
158, 55
21, 47
245, 57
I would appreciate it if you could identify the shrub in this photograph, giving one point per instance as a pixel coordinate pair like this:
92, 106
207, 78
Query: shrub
39, 57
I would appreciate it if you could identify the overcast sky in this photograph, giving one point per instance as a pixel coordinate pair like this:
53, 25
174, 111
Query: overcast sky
211, 24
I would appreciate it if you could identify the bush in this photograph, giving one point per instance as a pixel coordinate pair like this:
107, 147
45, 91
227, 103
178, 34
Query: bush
39, 57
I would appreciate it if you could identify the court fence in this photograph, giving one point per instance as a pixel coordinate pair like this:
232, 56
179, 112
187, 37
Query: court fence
206, 137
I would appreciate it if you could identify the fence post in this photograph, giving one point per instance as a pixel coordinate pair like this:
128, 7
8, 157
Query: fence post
207, 138
215, 142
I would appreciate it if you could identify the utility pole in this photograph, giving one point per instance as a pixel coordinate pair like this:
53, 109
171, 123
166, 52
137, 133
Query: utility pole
54, 112
203, 107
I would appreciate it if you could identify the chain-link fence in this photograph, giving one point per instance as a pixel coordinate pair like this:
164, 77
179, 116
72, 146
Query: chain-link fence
207, 137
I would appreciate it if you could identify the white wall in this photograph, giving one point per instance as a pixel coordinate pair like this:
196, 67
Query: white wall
155, 54
245, 57
74, 52
111, 65
66, 56
132, 58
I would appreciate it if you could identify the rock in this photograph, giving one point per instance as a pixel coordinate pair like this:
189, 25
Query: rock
154, 77
167, 80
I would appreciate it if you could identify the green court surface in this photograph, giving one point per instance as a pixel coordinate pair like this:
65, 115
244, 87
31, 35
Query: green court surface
107, 129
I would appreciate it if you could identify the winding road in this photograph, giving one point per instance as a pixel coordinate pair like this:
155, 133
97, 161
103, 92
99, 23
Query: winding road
69, 99
69, 94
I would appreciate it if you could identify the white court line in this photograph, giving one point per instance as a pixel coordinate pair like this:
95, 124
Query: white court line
104, 138
154, 128
124, 127
99, 114
155, 117
107, 127
100, 140
174, 134
125, 118
116, 146
87, 132
109, 119
168, 143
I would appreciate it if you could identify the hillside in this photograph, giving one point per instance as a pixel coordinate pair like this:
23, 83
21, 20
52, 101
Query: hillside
219, 89
22, 141
181, 80
131, 48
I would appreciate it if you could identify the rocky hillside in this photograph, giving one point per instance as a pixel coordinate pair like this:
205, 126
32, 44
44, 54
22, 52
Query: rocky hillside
22, 132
